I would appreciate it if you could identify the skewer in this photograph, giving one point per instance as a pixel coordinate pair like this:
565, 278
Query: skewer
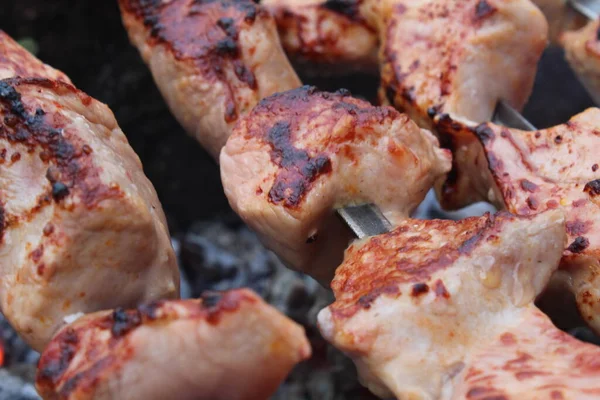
366, 219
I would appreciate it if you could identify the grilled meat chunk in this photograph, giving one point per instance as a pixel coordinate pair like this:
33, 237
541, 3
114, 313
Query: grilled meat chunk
301, 154
212, 60
81, 227
326, 37
530, 172
444, 310
227, 346
456, 57
582, 50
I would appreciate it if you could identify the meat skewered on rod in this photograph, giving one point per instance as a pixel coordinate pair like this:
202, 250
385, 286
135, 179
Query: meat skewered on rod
366, 220
224, 346
444, 309
300, 155
212, 61
529, 172
81, 227
454, 57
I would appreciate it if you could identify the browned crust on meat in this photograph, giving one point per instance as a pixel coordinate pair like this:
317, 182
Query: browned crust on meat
406, 255
519, 195
103, 355
203, 32
71, 171
305, 35
275, 120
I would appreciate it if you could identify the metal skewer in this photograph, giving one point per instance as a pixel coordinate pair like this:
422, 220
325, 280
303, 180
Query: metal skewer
367, 220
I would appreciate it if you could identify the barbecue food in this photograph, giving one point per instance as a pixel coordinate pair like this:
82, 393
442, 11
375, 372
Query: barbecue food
457, 57
81, 227
530, 172
582, 50
225, 346
301, 154
329, 32
212, 61
443, 309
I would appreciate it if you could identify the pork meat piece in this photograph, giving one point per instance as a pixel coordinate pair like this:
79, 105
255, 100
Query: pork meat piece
530, 172
212, 60
224, 346
456, 57
582, 50
81, 227
301, 154
326, 37
444, 310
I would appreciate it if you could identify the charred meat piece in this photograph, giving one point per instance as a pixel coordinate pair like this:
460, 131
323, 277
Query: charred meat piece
456, 57
229, 346
301, 154
326, 36
530, 172
81, 227
444, 309
212, 60
582, 50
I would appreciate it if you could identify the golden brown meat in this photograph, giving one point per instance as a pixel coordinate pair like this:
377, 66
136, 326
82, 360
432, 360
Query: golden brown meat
456, 57
301, 154
326, 37
212, 60
444, 310
229, 346
582, 50
530, 172
81, 227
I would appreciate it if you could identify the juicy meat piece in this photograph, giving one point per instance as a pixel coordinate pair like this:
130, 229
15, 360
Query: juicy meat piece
212, 60
331, 32
456, 57
530, 172
301, 154
81, 227
229, 346
16, 61
532, 359
561, 17
582, 50
444, 310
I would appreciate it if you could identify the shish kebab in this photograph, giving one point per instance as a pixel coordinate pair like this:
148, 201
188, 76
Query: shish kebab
157, 31
234, 47
556, 249
95, 201
281, 129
